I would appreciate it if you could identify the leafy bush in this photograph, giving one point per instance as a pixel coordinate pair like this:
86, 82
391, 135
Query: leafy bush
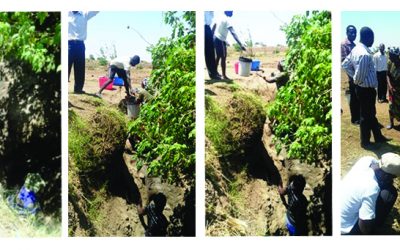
33, 37
301, 114
166, 124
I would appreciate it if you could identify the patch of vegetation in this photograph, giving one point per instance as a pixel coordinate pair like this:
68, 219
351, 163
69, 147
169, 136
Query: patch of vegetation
14, 225
302, 112
233, 128
93, 143
166, 125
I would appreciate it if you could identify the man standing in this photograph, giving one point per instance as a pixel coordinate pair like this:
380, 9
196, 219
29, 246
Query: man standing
77, 30
346, 47
368, 194
360, 66
221, 32
380, 61
209, 49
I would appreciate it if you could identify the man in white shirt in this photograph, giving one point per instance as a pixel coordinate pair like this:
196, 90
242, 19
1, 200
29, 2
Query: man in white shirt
77, 32
121, 67
380, 61
368, 194
220, 31
360, 66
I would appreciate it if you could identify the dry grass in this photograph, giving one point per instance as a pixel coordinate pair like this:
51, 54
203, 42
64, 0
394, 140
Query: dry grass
15, 225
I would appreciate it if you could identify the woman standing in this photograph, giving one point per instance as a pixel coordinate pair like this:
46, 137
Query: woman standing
394, 86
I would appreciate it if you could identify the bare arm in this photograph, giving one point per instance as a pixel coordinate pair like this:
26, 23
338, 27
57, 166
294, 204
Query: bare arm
282, 193
236, 37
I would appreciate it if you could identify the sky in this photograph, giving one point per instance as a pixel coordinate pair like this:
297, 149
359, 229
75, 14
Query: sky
108, 28
264, 26
384, 24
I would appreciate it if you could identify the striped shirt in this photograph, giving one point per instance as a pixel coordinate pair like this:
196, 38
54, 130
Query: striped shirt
359, 65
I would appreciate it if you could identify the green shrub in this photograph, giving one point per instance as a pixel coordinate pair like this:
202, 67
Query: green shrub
302, 111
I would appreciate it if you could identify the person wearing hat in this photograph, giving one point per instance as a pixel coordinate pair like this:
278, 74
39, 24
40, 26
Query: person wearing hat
394, 86
120, 67
368, 194
220, 31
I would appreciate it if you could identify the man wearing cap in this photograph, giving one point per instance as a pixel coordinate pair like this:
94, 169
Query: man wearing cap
220, 30
368, 194
121, 67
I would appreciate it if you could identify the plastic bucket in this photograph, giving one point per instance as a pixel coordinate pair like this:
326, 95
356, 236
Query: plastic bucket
237, 67
103, 80
244, 66
133, 110
118, 81
255, 65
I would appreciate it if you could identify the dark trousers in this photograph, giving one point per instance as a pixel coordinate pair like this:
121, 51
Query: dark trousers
76, 57
209, 52
354, 102
368, 121
382, 84
384, 203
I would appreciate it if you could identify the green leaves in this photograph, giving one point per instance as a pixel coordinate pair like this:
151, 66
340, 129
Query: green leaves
302, 111
34, 37
166, 124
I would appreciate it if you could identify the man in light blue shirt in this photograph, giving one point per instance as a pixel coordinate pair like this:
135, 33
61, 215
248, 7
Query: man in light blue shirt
77, 32
360, 66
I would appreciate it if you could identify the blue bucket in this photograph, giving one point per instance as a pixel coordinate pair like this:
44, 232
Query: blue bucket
255, 65
118, 81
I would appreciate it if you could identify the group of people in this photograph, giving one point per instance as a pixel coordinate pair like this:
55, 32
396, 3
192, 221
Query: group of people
368, 194
370, 76
215, 44
77, 33
77, 29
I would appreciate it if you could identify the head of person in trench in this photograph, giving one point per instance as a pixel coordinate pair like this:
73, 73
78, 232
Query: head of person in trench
281, 65
298, 183
389, 168
160, 201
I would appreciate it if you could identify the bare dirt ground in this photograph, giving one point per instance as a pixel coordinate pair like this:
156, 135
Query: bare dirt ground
259, 208
351, 150
118, 215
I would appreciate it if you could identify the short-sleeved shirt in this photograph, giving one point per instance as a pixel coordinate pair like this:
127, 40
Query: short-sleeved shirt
208, 17
297, 208
222, 29
121, 63
359, 192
